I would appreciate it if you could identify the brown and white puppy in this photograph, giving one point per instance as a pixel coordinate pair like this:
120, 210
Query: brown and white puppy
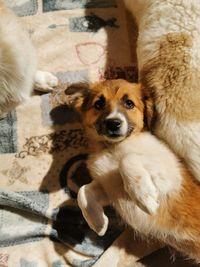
18, 64
168, 57
132, 170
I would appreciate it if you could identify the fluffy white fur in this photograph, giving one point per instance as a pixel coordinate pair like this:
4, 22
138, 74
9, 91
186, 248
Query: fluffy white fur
157, 19
18, 64
146, 184
145, 168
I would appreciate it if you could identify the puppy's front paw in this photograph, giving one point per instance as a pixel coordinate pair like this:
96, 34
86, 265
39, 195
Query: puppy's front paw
149, 204
92, 211
138, 183
101, 225
45, 81
144, 193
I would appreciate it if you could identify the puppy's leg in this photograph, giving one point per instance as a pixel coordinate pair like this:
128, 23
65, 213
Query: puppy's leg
138, 184
91, 199
45, 81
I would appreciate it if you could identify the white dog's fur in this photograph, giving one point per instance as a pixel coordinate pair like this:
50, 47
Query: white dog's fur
18, 64
168, 52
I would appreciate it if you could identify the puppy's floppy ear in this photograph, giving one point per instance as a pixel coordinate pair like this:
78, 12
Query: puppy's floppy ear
77, 94
149, 110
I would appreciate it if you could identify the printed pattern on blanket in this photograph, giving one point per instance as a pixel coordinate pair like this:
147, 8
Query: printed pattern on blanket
38, 192
42, 145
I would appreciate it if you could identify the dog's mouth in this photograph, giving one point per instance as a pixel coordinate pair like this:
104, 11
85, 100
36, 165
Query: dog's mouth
113, 128
113, 135
117, 137
114, 138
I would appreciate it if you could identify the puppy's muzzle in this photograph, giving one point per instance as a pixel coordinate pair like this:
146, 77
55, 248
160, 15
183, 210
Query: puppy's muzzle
112, 127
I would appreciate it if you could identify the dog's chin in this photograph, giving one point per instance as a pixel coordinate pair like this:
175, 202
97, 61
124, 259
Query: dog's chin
118, 136
114, 138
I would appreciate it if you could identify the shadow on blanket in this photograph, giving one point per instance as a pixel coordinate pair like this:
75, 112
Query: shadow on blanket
69, 226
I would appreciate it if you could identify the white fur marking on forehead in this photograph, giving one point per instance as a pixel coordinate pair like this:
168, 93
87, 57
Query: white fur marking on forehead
113, 114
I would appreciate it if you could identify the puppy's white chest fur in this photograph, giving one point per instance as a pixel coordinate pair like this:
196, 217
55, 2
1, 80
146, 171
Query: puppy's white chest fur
104, 166
140, 169
141, 152
104, 161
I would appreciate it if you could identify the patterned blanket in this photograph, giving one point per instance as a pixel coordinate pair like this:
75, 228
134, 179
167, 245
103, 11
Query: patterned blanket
42, 145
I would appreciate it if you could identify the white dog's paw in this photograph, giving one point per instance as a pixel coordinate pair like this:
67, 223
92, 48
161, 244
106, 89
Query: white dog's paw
45, 81
92, 211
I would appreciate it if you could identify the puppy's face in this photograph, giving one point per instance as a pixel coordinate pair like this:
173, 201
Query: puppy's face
111, 110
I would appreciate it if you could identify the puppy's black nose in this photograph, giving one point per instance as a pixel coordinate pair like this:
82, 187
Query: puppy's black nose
113, 125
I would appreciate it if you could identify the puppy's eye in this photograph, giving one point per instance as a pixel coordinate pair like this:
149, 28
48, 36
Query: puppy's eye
100, 103
129, 104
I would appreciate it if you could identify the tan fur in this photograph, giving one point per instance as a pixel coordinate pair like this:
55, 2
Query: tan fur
181, 215
123, 173
173, 77
168, 58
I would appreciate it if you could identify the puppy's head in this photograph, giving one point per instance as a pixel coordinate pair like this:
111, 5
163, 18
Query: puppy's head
111, 110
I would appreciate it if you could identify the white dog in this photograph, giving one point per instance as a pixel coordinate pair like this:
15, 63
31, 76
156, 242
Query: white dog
168, 51
18, 64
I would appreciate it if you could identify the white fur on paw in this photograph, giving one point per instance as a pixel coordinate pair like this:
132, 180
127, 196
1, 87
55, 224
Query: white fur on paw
45, 81
102, 230
92, 212
144, 193
151, 204
99, 227
139, 185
